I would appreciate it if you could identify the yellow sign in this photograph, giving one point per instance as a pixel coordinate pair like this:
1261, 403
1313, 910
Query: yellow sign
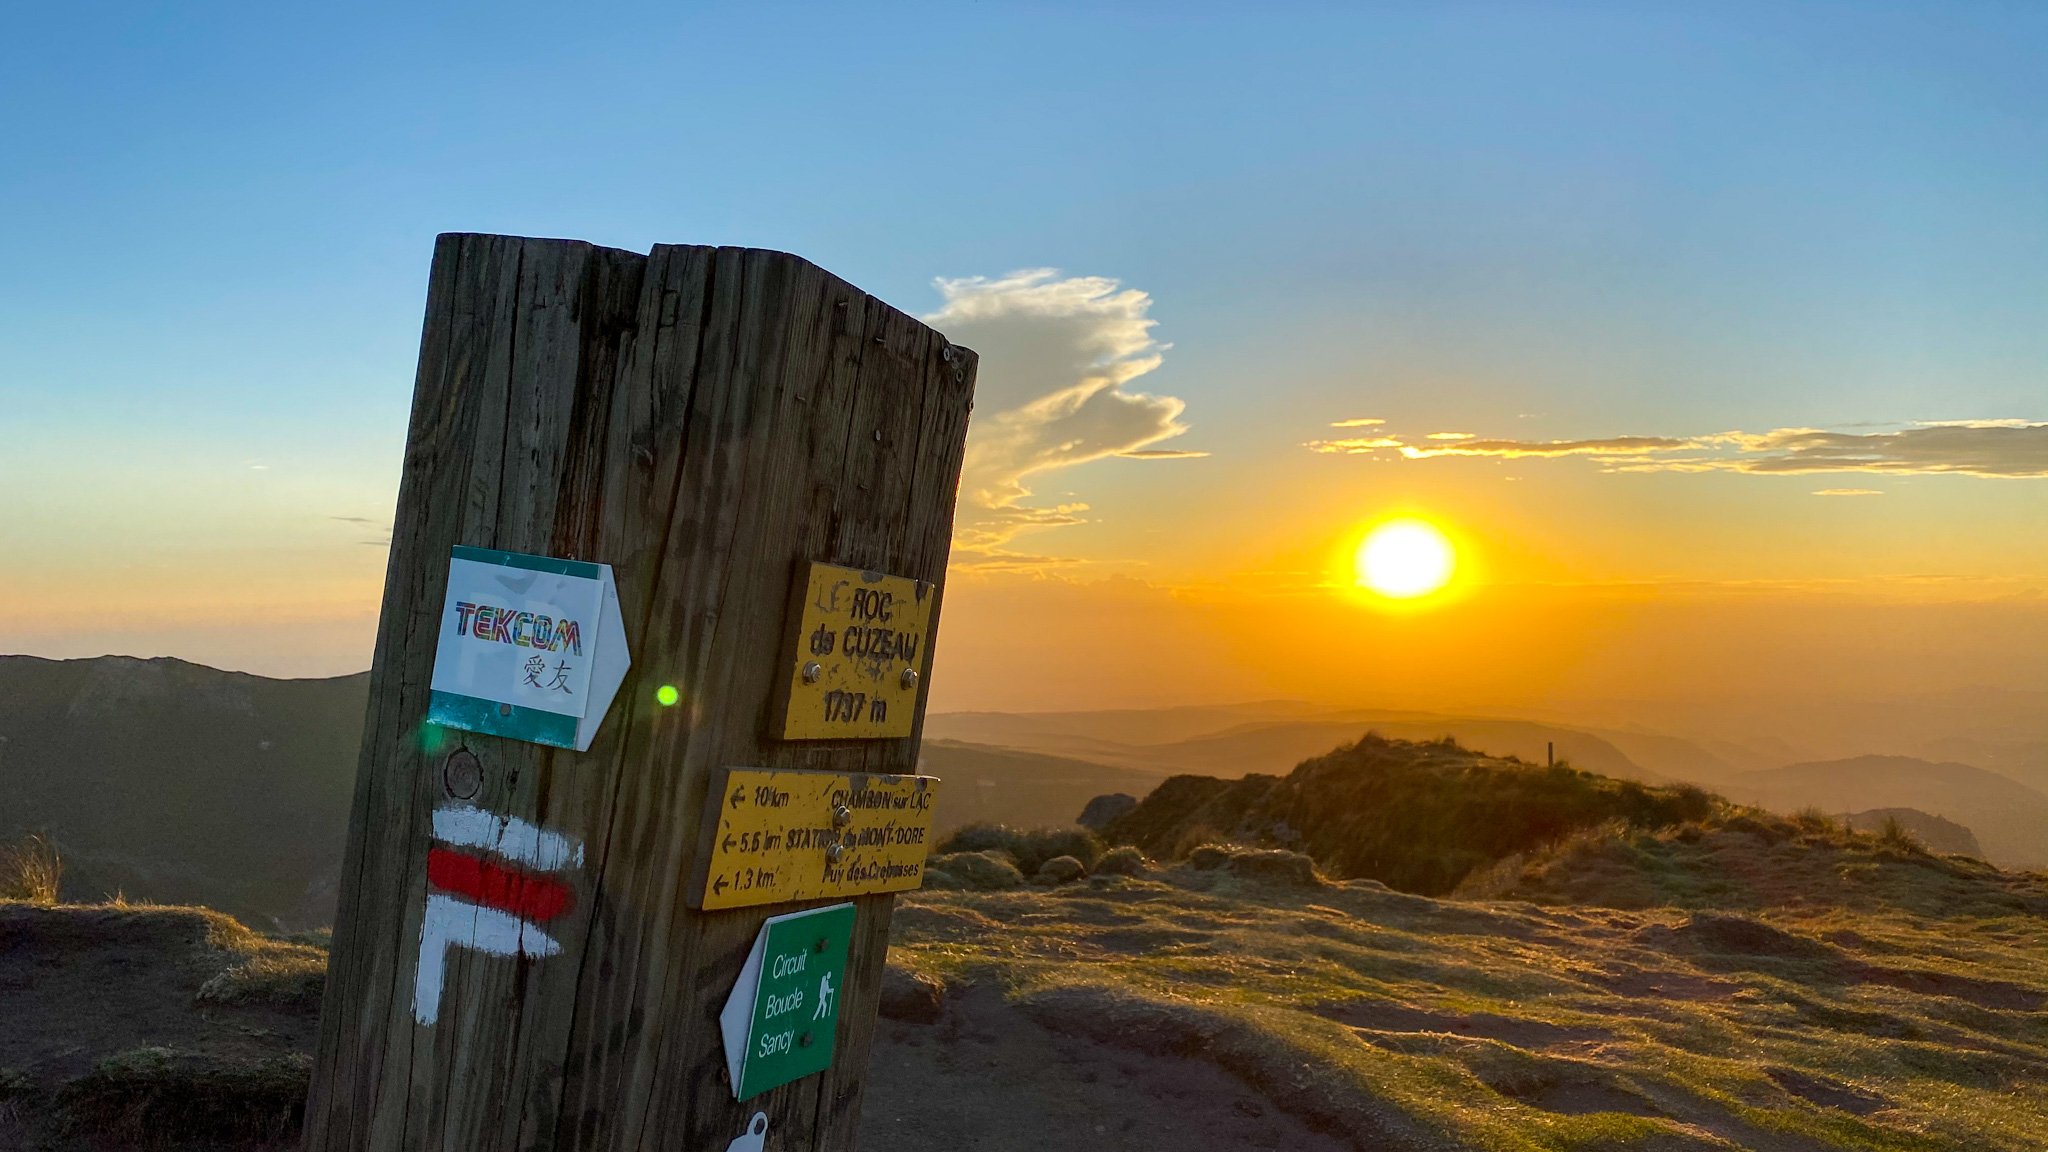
801, 835
862, 646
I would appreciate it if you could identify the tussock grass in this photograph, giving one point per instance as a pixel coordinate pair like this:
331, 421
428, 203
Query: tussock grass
1027, 849
1420, 817
1409, 1022
30, 870
278, 973
158, 1095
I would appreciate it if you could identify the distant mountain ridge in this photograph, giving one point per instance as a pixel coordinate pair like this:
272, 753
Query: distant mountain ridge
180, 783
2008, 818
1275, 736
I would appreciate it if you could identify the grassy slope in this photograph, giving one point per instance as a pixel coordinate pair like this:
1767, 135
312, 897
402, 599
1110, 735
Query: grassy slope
142, 1023
1410, 1022
180, 783
1416, 816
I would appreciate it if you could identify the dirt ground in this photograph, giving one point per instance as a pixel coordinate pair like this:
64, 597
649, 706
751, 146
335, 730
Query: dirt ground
987, 1079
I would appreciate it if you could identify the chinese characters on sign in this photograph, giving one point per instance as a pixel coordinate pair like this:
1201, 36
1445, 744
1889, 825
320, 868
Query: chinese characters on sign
530, 647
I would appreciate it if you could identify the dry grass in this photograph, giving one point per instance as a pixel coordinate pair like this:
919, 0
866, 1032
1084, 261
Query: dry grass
1417, 1023
30, 870
155, 1095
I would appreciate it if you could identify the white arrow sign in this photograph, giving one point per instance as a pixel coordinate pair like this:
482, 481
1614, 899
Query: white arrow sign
531, 647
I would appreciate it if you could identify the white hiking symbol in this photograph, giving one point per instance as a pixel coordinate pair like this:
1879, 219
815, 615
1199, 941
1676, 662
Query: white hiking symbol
474, 901
824, 1008
754, 1139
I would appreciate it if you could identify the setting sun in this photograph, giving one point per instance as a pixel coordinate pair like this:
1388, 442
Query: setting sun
1403, 559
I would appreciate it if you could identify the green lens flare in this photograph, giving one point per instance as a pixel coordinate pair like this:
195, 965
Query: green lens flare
667, 694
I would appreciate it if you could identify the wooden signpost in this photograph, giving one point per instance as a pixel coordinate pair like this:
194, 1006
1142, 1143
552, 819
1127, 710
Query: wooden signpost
532, 950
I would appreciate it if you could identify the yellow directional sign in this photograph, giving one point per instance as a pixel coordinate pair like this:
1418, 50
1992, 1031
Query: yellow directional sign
862, 645
799, 835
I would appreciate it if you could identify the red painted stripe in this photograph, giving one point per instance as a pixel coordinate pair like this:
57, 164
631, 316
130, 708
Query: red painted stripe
522, 894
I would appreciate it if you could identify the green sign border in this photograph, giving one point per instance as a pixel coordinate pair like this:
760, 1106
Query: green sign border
826, 933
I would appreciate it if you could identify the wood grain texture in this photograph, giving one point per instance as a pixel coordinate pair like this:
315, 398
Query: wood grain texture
705, 420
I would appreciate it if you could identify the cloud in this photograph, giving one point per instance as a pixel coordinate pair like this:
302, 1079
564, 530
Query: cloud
1996, 448
1360, 422
1847, 492
1457, 444
2002, 448
1354, 446
1056, 354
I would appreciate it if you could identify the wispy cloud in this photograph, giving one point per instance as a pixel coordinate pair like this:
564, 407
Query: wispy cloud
1847, 492
1056, 354
366, 522
1997, 448
1360, 422
1978, 448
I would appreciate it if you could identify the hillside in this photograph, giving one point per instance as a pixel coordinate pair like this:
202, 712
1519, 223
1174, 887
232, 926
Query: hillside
1228, 1005
1274, 737
1416, 816
2009, 819
1937, 834
1026, 789
181, 783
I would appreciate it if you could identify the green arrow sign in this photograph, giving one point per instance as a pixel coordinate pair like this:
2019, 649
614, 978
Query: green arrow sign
780, 1021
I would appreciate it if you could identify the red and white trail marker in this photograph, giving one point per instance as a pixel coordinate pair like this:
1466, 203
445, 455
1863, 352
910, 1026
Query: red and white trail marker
492, 881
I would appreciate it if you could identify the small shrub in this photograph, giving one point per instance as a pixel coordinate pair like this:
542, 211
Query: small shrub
1039, 845
1899, 838
30, 870
1059, 870
978, 871
284, 974
1276, 866
980, 836
161, 1095
1124, 861
1029, 850
15, 1089
1811, 819
1194, 838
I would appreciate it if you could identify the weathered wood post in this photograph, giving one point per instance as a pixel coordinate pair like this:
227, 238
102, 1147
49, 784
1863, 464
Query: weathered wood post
710, 422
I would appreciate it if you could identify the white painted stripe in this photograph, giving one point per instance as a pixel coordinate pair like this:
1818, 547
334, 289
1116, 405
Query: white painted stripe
508, 836
450, 923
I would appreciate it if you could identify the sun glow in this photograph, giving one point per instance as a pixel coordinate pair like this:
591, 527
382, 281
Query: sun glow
1404, 559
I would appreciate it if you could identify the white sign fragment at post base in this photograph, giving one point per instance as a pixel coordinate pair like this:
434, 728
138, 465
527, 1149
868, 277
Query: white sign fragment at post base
530, 647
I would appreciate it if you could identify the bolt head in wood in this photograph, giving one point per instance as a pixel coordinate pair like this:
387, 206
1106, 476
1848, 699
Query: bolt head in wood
813, 671
842, 816
909, 677
834, 851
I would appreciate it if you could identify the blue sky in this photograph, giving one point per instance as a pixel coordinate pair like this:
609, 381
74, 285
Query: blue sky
1527, 221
